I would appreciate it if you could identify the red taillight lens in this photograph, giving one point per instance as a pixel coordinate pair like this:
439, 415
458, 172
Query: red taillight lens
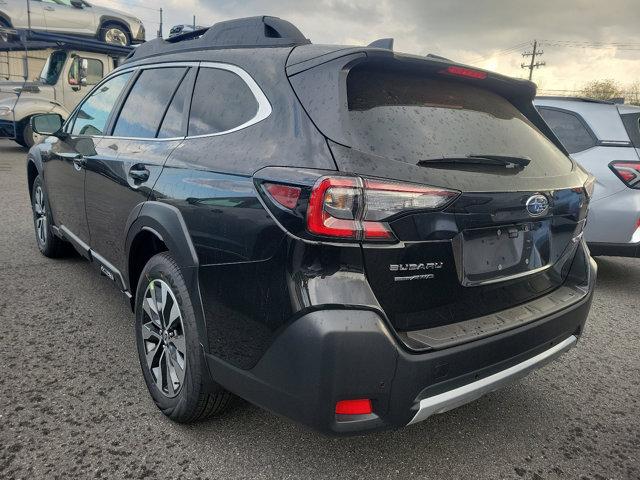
333, 207
465, 72
285, 195
354, 407
628, 172
353, 208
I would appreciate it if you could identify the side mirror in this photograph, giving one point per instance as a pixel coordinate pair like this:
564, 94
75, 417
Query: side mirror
77, 3
46, 124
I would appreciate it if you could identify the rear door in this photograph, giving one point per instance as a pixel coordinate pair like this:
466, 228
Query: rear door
61, 16
149, 125
507, 239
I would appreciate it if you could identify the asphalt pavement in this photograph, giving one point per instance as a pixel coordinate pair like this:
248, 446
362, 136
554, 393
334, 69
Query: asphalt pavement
73, 403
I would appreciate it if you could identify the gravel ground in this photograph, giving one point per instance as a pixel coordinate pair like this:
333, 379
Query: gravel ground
73, 403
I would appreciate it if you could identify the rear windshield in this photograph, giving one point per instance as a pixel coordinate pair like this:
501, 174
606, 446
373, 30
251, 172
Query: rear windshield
411, 117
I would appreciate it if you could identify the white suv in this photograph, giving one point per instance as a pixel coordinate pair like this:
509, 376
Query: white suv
604, 137
73, 17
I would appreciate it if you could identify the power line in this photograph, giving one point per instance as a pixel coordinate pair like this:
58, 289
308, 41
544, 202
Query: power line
533, 54
498, 53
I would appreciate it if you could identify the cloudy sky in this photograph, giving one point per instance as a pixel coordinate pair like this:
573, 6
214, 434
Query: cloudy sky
582, 40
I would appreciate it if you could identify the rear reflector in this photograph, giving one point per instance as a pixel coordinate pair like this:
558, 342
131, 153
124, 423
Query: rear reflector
354, 407
284, 195
465, 72
628, 172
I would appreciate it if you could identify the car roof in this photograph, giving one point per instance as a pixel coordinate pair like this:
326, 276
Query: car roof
602, 117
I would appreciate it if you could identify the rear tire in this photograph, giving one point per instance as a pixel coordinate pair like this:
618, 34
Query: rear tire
169, 348
49, 244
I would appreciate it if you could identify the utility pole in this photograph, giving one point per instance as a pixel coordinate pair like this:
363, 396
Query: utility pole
533, 54
160, 27
194, 22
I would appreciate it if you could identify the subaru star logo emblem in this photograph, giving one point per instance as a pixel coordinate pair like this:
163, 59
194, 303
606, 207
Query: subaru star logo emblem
537, 205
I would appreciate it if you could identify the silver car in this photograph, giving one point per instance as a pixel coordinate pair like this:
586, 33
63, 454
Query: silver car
73, 17
603, 137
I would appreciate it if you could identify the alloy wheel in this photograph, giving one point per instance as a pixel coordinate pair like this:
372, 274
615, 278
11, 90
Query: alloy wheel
115, 36
163, 338
40, 213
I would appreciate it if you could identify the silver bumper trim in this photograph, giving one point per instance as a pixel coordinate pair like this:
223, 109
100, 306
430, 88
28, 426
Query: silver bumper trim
467, 393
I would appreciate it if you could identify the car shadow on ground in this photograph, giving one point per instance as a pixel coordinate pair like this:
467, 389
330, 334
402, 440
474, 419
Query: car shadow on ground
623, 274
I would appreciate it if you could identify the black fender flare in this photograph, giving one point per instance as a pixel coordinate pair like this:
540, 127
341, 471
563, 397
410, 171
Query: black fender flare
165, 222
36, 161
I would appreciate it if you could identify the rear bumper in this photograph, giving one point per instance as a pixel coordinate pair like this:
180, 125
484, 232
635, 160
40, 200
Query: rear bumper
615, 249
459, 396
331, 355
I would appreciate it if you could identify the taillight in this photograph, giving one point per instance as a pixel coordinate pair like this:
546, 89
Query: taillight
628, 172
284, 195
355, 208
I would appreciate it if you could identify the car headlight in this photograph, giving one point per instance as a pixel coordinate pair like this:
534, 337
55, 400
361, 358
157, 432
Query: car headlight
4, 111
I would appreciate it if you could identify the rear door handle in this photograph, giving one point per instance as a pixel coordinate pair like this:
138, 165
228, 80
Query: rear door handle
139, 173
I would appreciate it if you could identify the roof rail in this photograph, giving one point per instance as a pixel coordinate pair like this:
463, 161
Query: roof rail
578, 99
250, 32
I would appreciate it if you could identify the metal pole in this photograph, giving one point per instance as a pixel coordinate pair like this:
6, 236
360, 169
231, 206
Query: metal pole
194, 22
533, 58
160, 27
28, 15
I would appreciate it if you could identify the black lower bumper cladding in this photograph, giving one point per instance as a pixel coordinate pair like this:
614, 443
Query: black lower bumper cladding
330, 355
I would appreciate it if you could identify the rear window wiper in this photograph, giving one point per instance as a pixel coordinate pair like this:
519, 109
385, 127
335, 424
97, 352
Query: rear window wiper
507, 161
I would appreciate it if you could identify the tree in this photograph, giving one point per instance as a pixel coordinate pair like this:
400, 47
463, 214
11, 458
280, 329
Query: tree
633, 94
602, 90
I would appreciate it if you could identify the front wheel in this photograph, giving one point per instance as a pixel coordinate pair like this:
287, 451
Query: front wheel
48, 243
169, 347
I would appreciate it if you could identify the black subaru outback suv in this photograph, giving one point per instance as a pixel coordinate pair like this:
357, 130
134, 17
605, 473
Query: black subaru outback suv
346, 236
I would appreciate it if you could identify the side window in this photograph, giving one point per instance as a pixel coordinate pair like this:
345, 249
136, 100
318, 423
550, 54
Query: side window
172, 124
221, 101
572, 132
91, 118
631, 123
89, 69
147, 102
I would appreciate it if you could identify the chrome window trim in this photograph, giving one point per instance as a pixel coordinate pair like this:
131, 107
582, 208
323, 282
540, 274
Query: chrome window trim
264, 106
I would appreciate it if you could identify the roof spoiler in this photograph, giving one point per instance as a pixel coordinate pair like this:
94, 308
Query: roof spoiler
250, 32
385, 43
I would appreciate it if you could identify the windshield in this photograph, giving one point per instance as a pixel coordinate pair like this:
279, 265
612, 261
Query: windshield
410, 117
52, 68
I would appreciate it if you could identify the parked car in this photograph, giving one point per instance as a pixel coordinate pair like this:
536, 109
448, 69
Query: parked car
603, 137
73, 17
347, 236
66, 77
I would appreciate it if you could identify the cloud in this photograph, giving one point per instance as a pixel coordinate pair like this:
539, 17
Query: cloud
477, 31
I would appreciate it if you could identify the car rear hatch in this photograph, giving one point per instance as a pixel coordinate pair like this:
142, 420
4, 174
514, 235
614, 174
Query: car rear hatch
511, 233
